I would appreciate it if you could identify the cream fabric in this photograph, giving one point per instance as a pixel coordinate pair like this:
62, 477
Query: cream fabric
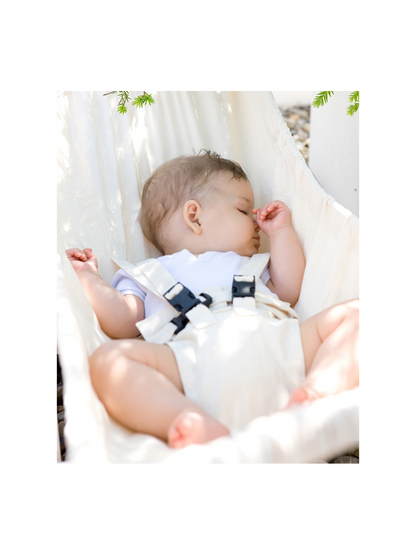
242, 367
104, 159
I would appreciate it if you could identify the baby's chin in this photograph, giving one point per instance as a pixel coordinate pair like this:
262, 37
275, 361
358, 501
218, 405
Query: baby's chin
248, 251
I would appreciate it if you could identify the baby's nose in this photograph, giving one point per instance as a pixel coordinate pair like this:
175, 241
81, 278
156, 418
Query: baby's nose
256, 225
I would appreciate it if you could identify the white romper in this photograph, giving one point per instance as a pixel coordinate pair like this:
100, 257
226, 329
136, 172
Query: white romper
238, 359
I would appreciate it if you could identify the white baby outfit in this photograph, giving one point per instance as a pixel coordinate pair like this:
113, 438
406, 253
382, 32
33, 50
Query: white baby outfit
197, 273
240, 358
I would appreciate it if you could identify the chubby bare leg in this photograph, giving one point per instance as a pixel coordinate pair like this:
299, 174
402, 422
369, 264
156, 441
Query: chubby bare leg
330, 346
140, 386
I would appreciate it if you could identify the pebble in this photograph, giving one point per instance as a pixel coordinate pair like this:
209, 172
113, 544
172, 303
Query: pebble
297, 119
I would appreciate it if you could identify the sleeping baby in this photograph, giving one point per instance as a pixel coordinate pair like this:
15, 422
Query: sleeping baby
205, 337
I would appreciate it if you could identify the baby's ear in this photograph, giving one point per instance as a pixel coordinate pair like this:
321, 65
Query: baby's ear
191, 213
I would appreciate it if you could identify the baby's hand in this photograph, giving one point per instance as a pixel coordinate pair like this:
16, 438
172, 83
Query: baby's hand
82, 259
273, 216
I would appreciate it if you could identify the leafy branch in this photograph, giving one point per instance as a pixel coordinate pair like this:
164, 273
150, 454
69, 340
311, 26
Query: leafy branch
322, 98
355, 103
140, 101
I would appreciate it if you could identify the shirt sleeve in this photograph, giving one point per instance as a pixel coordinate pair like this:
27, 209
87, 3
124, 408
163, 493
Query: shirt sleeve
127, 286
265, 276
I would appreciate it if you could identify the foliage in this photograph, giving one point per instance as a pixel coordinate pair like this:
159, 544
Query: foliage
142, 100
355, 103
139, 101
322, 98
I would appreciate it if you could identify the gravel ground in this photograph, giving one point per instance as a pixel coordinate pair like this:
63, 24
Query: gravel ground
297, 119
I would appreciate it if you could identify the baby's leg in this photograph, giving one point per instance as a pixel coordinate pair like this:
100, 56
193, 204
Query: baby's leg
140, 386
330, 347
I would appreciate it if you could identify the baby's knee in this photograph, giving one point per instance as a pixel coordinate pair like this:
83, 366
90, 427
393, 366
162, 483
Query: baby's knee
102, 359
352, 314
353, 308
354, 304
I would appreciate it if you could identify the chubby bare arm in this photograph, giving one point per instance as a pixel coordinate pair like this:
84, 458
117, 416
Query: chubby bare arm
116, 313
287, 264
287, 261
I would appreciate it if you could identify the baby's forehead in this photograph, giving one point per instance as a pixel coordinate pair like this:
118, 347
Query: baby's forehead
238, 189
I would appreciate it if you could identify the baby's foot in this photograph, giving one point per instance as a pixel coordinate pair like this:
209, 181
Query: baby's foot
322, 383
301, 395
191, 427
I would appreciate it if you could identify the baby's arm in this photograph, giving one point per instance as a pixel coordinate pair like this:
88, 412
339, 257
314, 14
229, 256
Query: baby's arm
287, 262
116, 313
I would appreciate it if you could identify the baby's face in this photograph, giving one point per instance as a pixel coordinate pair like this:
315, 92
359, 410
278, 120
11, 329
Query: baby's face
228, 221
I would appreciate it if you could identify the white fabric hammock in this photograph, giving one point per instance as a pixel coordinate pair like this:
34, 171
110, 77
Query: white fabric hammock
104, 159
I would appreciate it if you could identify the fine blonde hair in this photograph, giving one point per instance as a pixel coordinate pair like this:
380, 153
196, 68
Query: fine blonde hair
177, 181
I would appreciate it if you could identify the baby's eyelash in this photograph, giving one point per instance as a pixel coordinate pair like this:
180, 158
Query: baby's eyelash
242, 211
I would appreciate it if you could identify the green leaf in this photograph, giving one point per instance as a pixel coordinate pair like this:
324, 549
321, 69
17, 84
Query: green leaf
355, 96
124, 98
352, 108
138, 101
322, 98
148, 99
142, 100
355, 103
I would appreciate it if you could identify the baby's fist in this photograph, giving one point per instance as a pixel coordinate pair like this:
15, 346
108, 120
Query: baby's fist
273, 216
82, 259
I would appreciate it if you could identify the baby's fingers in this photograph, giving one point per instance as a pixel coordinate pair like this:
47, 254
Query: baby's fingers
89, 253
262, 213
275, 206
76, 253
